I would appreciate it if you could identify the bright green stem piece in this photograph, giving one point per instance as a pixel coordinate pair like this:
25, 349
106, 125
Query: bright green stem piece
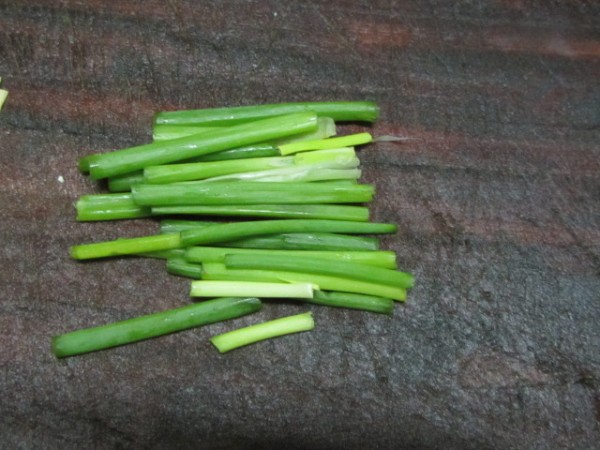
338, 111
130, 246
262, 331
198, 193
152, 325
172, 173
135, 158
123, 183
169, 132
109, 207
178, 225
322, 144
350, 300
176, 253
329, 241
322, 267
218, 271
246, 152
288, 241
333, 212
237, 230
184, 268
292, 174
325, 129
260, 289
203, 254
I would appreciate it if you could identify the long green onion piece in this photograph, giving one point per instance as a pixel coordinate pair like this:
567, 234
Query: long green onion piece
286, 211
249, 151
325, 128
307, 241
284, 241
218, 271
380, 258
262, 331
135, 158
152, 325
321, 266
204, 288
338, 111
198, 193
236, 230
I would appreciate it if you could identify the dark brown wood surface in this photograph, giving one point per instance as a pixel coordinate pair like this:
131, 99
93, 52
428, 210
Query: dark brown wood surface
497, 196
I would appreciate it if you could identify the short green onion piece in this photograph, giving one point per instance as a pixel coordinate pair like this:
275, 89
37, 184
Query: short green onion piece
123, 183
262, 331
205, 288
350, 300
183, 268
322, 144
112, 206
126, 246
152, 325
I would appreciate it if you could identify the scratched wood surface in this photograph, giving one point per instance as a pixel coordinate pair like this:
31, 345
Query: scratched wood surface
497, 196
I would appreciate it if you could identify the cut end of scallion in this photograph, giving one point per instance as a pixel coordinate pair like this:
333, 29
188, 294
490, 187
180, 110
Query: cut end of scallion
3, 96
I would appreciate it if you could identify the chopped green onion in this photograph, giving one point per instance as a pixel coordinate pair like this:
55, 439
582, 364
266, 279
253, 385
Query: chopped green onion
231, 231
172, 173
322, 144
178, 225
123, 183
203, 254
350, 300
109, 207
128, 246
168, 132
289, 241
175, 253
198, 193
246, 152
183, 268
338, 111
135, 158
292, 174
262, 331
152, 325
160, 132
322, 267
204, 288
218, 271
334, 212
